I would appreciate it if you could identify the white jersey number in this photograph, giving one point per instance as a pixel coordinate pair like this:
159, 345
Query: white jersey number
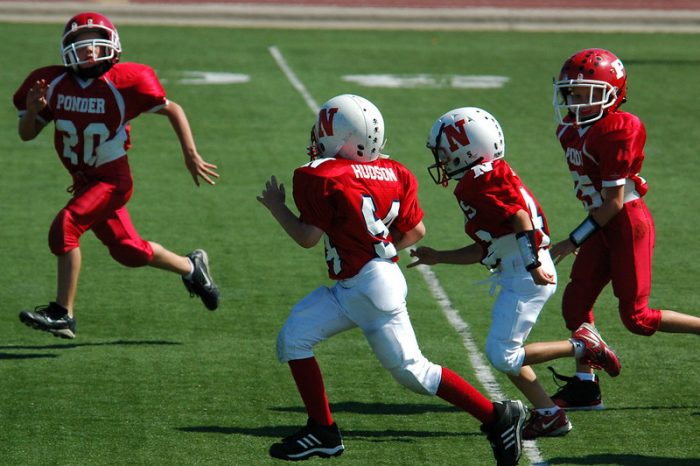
92, 133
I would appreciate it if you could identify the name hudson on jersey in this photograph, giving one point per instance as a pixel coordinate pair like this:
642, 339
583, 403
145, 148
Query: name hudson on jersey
374, 173
71, 103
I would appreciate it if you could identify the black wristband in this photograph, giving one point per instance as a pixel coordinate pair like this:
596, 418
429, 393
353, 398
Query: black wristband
584, 231
528, 249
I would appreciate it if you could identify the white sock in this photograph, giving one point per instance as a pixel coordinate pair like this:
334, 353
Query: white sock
586, 376
548, 411
579, 347
189, 275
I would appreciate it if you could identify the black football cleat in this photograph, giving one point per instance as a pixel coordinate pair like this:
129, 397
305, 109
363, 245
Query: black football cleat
505, 435
201, 283
312, 440
51, 318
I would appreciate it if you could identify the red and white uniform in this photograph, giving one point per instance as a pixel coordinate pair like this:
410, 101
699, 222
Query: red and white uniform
92, 135
610, 153
489, 194
354, 204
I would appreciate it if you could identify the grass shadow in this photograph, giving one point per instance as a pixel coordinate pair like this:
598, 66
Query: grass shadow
60, 346
276, 432
624, 460
378, 408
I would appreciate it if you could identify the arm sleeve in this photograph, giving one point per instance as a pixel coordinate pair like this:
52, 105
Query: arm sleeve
620, 147
311, 198
143, 92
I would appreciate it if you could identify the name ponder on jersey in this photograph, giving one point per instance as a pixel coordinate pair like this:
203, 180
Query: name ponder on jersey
71, 103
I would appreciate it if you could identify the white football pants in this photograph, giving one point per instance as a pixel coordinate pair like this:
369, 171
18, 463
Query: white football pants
515, 311
375, 301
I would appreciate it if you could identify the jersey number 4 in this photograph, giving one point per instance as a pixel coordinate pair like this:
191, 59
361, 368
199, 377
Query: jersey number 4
377, 228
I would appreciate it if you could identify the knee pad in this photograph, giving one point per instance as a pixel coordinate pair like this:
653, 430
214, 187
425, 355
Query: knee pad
422, 376
132, 254
64, 234
640, 321
503, 358
290, 346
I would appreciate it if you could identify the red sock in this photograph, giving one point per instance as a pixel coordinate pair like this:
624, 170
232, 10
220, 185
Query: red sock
309, 380
457, 391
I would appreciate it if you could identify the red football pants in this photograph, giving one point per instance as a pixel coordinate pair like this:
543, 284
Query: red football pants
621, 253
99, 204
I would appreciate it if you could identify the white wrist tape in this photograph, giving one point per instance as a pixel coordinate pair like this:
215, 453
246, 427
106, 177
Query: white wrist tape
528, 249
584, 231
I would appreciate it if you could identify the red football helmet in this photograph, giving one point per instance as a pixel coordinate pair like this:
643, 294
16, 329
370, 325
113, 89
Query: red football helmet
597, 75
109, 43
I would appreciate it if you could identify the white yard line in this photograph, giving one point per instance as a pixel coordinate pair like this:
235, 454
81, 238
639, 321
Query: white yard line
483, 371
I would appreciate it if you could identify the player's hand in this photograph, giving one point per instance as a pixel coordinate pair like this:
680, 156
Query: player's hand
273, 194
425, 255
199, 168
562, 249
36, 97
542, 277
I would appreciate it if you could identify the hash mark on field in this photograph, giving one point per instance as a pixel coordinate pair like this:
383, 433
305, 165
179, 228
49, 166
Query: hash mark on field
483, 371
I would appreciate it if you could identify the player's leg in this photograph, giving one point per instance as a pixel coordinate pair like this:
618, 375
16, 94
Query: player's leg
632, 273
514, 313
127, 247
194, 269
590, 273
314, 319
376, 302
90, 204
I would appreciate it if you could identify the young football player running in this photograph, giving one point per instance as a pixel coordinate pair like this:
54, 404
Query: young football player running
604, 149
365, 207
91, 100
511, 238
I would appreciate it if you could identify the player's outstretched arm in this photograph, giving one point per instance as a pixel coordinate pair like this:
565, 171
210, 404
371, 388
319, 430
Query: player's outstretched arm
197, 166
29, 126
273, 197
428, 256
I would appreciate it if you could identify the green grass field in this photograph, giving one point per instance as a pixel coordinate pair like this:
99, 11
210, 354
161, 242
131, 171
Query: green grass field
154, 379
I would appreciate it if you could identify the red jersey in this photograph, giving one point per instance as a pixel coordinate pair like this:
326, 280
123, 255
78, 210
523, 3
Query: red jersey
489, 194
355, 204
607, 153
91, 117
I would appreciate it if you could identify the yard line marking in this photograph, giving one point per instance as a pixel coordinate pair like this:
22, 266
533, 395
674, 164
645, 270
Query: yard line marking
483, 371
292, 77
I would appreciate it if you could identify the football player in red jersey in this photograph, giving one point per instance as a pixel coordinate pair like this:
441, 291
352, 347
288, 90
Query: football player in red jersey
355, 198
511, 238
604, 149
91, 100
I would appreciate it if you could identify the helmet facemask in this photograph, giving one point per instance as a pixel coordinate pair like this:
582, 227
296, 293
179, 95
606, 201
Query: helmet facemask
107, 47
591, 84
601, 96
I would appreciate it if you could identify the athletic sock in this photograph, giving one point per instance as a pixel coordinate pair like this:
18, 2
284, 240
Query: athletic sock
587, 376
307, 375
189, 275
457, 391
579, 347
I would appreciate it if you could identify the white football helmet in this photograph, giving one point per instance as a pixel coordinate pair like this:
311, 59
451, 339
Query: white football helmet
350, 127
462, 138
